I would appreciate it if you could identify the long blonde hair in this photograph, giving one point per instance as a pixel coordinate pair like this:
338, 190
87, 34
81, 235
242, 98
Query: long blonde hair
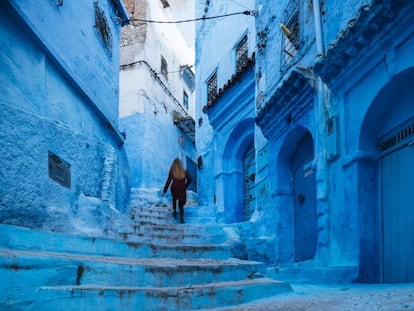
177, 169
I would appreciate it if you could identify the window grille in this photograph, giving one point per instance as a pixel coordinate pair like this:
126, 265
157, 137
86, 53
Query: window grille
291, 35
164, 67
401, 136
185, 100
241, 54
212, 87
102, 27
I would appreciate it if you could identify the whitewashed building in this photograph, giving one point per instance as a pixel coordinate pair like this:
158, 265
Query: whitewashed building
157, 90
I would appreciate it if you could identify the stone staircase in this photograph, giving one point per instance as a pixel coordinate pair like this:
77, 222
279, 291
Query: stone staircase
154, 264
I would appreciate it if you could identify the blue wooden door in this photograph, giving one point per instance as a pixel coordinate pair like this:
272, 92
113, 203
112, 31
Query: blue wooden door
304, 193
192, 170
398, 215
249, 173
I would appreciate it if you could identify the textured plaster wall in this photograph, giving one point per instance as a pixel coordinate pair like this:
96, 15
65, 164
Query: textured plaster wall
337, 16
68, 33
45, 109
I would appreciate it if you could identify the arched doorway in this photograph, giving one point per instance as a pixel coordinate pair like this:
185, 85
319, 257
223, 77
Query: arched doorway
304, 196
397, 171
238, 163
387, 132
296, 187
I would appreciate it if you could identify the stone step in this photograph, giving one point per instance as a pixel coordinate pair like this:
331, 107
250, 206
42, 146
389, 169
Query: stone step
173, 237
173, 233
26, 239
169, 219
51, 269
204, 296
163, 214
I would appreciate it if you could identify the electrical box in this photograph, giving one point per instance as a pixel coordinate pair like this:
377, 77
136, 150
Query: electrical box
332, 139
59, 170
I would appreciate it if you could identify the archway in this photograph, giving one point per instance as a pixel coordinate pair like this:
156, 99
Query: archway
232, 177
387, 133
297, 184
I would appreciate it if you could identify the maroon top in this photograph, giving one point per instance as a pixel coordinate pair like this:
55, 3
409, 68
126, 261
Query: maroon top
178, 186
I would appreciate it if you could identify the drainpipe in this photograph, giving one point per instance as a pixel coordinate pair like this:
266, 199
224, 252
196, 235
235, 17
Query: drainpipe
318, 28
322, 113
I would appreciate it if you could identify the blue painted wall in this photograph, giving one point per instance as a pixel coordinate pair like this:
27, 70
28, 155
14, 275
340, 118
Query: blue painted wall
358, 80
60, 94
216, 40
347, 87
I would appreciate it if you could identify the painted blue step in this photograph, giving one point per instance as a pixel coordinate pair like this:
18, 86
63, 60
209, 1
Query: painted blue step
170, 233
39, 268
205, 296
163, 215
152, 264
13, 237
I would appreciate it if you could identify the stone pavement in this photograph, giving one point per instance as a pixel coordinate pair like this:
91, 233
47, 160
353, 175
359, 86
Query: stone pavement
348, 297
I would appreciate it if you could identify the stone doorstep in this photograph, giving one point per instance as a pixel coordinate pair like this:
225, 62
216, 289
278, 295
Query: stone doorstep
69, 269
204, 296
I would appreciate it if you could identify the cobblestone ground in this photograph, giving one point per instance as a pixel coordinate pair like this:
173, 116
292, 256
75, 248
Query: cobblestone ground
341, 298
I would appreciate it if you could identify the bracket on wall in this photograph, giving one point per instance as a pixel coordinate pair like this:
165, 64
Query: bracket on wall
332, 139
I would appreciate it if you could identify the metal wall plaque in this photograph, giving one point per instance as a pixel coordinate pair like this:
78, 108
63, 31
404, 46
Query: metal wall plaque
59, 170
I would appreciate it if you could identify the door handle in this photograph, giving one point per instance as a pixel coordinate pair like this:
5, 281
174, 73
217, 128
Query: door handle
252, 177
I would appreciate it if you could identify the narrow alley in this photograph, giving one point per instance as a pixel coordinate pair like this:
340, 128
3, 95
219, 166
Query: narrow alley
282, 130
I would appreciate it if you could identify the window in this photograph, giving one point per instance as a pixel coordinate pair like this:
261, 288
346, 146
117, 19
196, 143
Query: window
101, 25
185, 100
212, 87
164, 67
291, 34
241, 54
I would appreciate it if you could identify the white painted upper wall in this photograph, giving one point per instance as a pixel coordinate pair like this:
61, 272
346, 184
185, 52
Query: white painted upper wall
181, 10
164, 40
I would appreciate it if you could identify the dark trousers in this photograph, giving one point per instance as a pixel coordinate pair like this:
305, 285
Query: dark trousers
180, 206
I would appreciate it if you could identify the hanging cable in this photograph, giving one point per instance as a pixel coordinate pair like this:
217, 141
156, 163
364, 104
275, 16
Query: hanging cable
250, 12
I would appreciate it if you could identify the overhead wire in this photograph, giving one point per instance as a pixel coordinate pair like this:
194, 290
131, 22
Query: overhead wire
247, 12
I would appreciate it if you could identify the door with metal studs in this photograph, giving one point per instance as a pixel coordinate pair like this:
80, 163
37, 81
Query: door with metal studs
304, 194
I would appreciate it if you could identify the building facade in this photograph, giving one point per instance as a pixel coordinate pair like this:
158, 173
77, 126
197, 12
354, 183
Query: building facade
225, 105
157, 90
333, 135
64, 167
